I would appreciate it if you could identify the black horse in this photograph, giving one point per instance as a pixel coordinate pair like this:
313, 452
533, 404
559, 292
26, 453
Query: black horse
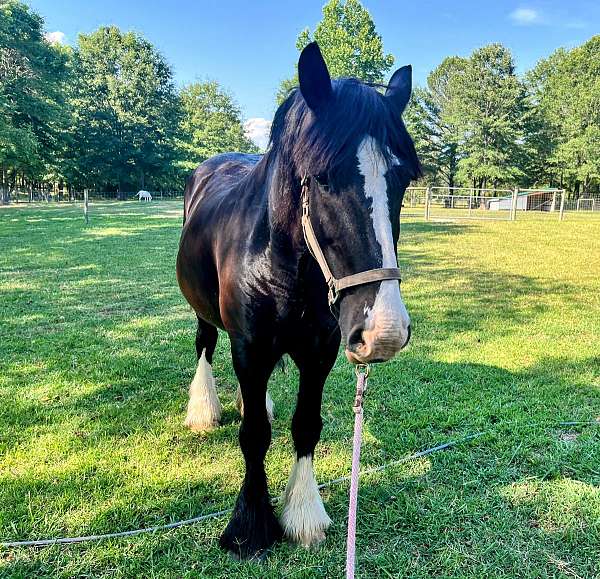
244, 265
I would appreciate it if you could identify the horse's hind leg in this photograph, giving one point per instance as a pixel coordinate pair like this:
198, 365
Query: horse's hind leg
204, 408
239, 403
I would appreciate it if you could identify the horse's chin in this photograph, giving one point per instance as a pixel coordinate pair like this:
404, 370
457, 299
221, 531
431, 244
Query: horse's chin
354, 359
351, 357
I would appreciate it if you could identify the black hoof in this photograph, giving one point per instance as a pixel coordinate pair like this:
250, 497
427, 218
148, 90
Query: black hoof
252, 531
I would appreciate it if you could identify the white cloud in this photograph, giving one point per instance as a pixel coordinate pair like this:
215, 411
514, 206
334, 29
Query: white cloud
257, 130
525, 16
56, 37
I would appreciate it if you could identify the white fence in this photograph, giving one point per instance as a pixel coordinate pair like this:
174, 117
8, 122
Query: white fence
583, 204
71, 196
450, 203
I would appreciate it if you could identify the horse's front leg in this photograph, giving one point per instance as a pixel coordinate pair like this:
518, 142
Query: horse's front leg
304, 518
253, 527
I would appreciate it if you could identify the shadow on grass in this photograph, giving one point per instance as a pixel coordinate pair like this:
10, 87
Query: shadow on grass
438, 401
516, 480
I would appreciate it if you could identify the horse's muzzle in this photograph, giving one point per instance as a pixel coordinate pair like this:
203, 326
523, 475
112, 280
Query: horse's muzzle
377, 345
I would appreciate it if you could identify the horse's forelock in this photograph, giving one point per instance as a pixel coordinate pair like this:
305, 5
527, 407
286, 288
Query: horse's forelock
318, 143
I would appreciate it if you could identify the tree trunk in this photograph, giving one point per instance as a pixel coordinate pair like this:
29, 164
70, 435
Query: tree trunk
120, 196
2, 185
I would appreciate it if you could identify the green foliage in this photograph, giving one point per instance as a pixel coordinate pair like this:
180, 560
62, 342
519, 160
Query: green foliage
488, 112
104, 115
33, 113
477, 123
471, 120
349, 42
431, 120
566, 90
211, 123
125, 109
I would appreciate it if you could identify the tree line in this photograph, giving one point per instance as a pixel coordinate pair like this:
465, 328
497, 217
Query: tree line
477, 123
106, 115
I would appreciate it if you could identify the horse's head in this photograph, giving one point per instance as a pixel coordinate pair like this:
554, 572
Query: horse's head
349, 142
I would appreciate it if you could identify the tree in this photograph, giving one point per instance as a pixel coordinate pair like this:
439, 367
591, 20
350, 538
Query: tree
210, 123
470, 123
126, 111
488, 112
349, 42
431, 120
33, 113
565, 89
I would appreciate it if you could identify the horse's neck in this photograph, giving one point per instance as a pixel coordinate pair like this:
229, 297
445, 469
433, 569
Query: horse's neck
285, 228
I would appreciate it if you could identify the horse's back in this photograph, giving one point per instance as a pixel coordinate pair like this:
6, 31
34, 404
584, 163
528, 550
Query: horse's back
216, 176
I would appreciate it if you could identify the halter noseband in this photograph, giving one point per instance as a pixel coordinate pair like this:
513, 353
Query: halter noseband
334, 284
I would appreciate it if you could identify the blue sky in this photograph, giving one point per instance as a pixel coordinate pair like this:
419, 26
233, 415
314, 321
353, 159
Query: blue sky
249, 46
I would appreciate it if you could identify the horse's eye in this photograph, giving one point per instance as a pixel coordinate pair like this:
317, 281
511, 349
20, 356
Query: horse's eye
321, 179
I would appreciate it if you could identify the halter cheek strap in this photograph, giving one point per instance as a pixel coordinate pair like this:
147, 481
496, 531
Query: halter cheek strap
337, 285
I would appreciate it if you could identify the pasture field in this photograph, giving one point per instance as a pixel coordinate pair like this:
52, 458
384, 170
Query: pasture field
96, 353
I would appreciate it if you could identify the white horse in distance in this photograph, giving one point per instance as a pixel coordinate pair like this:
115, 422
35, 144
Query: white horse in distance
144, 196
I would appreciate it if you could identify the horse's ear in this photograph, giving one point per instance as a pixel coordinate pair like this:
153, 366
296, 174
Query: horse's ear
400, 87
315, 82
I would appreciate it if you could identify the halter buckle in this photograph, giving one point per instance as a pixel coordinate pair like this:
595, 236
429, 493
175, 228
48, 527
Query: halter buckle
304, 195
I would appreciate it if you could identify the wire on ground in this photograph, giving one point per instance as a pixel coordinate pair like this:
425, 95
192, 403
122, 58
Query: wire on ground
216, 514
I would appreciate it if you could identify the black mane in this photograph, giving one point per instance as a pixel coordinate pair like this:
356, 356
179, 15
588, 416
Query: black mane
317, 143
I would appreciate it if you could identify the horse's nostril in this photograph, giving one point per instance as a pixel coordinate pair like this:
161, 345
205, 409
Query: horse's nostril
355, 338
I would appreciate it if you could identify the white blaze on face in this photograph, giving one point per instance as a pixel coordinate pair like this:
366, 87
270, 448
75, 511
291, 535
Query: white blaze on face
387, 322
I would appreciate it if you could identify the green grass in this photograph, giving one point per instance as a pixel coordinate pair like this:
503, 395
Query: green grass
96, 352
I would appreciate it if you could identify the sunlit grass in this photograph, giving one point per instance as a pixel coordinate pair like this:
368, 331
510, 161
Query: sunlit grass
96, 352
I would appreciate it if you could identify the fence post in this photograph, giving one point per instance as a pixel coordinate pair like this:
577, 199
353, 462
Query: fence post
427, 202
85, 206
513, 205
561, 215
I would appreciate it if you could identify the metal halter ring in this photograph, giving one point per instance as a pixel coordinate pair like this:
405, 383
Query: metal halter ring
362, 369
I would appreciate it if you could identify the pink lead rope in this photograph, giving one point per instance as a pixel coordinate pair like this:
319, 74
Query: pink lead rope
362, 372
